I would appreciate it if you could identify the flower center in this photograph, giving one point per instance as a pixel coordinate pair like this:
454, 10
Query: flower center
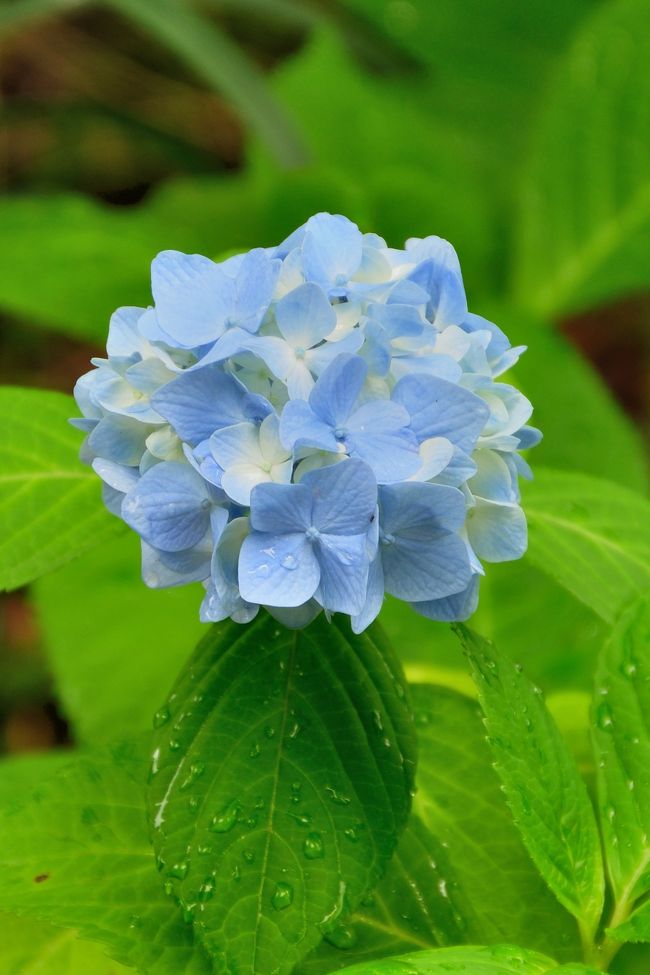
341, 433
312, 533
386, 538
300, 352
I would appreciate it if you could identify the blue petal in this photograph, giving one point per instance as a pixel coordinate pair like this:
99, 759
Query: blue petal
497, 532
453, 608
169, 507
120, 439
278, 570
344, 566
202, 401
162, 570
374, 597
281, 508
193, 297
337, 389
379, 435
256, 277
331, 249
441, 409
305, 316
295, 617
300, 425
344, 497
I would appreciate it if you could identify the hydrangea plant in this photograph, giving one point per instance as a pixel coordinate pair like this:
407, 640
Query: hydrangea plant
311, 426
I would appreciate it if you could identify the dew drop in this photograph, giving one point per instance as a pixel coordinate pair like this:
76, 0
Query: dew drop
249, 856
206, 890
168, 887
336, 797
269, 732
343, 936
289, 562
282, 896
179, 870
255, 751
313, 847
226, 819
604, 716
161, 717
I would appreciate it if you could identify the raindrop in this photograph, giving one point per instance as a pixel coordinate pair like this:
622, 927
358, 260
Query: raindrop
195, 772
236, 874
604, 716
313, 847
226, 819
174, 744
342, 936
336, 797
168, 887
303, 819
136, 921
179, 870
289, 562
206, 890
161, 717
249, 856
269, 732
204, 851
282, 896
255, 751
376, 717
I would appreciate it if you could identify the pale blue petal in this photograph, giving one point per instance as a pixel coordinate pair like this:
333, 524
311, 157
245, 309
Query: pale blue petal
528, 437
305, 316
257, 274
280, 508
120, 439
300, 425
295, 617
337, 389
344, 566
331, 249
193, 297
374, 597
392, 456
398, 321
455, 608
161, 570
123, 336
497, 532
169, 507
278, 570
198, 403
319, 359
344, 497
236, 444
441, 409
116, 475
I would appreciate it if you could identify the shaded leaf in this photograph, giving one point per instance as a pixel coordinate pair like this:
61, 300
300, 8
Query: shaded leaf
636, 928
136, 638
281, 782
460, 801
50, 504
548, 799
593, 536
585, 214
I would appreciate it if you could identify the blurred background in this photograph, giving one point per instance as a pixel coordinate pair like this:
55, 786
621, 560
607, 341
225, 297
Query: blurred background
519, 131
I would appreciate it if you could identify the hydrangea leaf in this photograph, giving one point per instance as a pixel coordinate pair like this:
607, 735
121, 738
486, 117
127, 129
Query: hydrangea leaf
593, 536
50, 505
636, 928
120, 613
460, 801
30, 946
281, 781
76, 854
415, 906
548, 799
622, 745
496, 960
594, 202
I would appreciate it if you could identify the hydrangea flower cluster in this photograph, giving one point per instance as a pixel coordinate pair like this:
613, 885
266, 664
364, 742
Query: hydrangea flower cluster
311, 426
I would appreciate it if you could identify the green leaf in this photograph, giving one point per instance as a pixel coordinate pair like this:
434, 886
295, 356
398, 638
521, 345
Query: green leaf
111, 248
548, 799
33, 948
414, 906
496, 960
593, 536
21, 772
585, 214
135, 637
282, 779
636, 928
460, 800
50, 504
621, 730
15, 15
76, 854
207, 50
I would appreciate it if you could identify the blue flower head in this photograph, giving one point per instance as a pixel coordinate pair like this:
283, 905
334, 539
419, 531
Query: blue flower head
310, 427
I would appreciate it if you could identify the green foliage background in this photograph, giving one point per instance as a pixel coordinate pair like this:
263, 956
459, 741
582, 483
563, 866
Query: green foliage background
521, 132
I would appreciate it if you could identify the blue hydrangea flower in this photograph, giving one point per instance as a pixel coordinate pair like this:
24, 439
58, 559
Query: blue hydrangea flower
310, 426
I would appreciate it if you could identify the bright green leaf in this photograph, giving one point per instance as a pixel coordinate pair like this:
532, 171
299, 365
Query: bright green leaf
136, 638
497, 960
460, 801
282, 779
34, 948
621, 730
593, 536
50, 504
585, 214
548, 799
76, 854
636, 928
